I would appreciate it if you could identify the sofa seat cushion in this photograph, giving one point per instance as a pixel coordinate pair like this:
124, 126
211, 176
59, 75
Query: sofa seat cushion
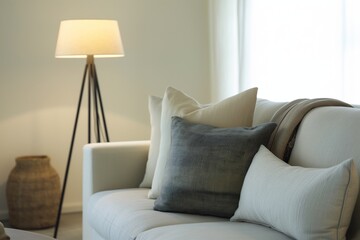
213, 231
123, 214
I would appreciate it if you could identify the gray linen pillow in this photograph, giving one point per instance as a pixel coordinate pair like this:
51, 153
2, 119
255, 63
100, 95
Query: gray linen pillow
207, 166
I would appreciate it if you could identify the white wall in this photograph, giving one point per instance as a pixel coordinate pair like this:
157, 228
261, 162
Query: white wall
166, 44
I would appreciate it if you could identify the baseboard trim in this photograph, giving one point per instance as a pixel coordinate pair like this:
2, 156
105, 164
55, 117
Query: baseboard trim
72, 208
67, 208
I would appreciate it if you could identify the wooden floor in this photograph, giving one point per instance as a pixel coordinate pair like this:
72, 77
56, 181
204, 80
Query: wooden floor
70, 227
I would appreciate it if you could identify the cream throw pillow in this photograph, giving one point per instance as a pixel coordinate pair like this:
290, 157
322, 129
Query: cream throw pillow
155, 117
235, 111
304, 203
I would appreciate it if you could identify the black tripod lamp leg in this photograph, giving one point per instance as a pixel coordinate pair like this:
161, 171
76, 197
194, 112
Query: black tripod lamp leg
96, 103
69, 155
97, 87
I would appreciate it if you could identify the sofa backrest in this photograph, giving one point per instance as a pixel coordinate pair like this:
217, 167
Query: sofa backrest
265, 110
325, 137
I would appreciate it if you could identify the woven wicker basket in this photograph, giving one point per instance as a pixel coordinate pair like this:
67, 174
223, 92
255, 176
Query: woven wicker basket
33, 193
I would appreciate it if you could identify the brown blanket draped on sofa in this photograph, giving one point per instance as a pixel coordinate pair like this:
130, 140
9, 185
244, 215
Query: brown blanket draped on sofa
289, 117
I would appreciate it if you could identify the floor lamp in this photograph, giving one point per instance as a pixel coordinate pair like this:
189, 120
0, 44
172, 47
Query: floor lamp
88, 39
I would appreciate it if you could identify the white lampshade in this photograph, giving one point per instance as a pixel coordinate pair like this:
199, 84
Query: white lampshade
80, 38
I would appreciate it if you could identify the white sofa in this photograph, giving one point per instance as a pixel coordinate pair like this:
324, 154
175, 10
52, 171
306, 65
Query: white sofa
115, 208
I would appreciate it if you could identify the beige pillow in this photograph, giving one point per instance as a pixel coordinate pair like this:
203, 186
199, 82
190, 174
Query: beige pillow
235, 111
303, 203
154, 105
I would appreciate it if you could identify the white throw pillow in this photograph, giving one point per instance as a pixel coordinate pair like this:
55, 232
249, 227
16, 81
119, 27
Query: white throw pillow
235, 111
154, 104
304, 203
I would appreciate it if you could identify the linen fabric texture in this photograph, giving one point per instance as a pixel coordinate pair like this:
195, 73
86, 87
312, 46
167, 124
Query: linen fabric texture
207, 167
130, 210
304, 203
235, 111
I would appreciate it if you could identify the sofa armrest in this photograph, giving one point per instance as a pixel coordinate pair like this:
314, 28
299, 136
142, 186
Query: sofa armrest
114, 165
108, 166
